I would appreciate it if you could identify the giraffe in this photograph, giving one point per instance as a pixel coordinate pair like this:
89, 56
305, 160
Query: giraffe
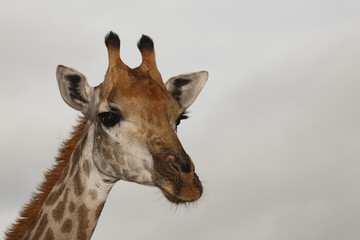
127, 132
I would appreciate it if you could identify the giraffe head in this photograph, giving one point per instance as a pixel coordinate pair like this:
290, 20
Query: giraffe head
133, 117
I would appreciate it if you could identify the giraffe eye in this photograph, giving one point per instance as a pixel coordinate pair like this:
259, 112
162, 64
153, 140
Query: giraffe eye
109, 119
182, 116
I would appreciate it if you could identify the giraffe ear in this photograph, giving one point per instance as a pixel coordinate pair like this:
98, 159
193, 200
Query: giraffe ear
186, 87
74, 88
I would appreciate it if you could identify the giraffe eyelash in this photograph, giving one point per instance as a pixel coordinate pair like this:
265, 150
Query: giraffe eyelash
182, 116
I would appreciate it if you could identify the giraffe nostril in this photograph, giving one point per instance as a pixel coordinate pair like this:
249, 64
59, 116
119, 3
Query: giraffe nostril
171, 160
178, 165
173, 165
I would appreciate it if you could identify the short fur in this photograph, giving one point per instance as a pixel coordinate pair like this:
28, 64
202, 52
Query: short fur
31, 209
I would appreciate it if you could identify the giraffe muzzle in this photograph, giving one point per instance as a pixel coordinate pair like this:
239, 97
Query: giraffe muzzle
177, 179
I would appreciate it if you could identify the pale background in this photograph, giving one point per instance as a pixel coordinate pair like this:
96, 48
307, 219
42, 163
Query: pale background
275, 134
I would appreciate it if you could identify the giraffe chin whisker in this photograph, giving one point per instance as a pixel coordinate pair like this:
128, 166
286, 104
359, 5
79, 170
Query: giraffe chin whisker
184, 196
176, 199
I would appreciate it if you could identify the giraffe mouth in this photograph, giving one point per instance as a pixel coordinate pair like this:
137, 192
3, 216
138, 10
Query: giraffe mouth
172, 198
183, 192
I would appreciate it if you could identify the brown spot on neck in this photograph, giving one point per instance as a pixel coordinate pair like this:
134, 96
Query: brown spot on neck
53, 197
72, 207
49, 235
86, 168
77, 154
78, 187
83, 222
67, 226
93, 194
58, 212
75, 160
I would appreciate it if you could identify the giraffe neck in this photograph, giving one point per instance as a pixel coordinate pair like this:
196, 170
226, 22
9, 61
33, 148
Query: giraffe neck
73, 207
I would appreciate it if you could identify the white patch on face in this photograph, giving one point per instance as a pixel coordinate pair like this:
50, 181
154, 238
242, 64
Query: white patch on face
96, 179
130, 159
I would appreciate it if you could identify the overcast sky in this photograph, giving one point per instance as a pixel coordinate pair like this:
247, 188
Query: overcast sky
274, 135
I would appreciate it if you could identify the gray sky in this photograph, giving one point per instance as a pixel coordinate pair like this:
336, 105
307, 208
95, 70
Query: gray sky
274, 135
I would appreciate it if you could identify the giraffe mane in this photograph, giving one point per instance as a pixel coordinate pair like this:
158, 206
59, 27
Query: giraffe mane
32, 208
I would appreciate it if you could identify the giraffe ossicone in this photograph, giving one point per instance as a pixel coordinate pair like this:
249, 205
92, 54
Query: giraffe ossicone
128, 132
